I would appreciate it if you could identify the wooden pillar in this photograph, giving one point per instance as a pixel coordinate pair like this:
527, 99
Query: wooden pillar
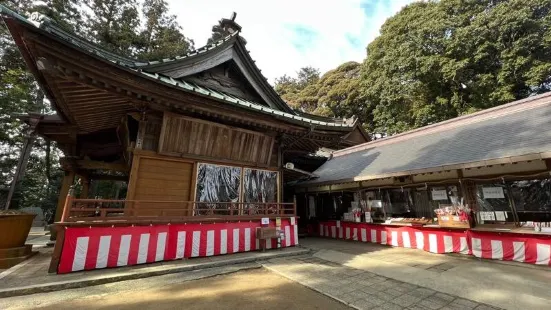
85, 180
280, 164
68, 180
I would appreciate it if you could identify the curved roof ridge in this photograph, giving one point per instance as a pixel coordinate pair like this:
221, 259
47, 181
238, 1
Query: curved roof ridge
509, 108
195, 52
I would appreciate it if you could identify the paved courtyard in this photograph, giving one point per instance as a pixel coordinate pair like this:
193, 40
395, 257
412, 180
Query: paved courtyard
358, 275
365, 290
506, 285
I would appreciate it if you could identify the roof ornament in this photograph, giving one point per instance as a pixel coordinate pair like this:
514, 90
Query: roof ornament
230, 25
38, 18
225, 28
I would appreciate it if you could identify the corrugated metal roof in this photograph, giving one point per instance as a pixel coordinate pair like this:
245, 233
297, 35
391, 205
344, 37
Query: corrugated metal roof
520, 129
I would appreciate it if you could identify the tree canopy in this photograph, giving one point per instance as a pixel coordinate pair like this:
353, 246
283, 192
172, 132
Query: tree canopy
144, 30
335, 94
436, 60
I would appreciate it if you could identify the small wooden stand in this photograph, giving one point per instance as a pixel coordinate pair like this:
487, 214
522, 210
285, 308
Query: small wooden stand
266, 233
452, 221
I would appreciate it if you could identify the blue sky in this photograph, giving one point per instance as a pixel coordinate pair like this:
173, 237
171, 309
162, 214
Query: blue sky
285, 35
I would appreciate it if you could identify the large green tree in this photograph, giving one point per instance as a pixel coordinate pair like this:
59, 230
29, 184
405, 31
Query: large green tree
116, 25
337, 93
20, 94
300, 91
113, 24
439, 59
162, 36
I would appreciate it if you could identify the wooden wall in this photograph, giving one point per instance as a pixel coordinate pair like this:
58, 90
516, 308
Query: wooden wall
156, 178
183, 136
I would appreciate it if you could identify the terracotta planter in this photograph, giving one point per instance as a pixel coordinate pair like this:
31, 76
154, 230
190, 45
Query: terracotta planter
14, 229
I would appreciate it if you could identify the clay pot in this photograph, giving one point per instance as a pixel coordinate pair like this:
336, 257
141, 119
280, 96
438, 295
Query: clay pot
14, 228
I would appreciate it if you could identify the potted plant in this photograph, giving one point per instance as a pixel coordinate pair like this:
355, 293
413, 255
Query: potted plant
14, 228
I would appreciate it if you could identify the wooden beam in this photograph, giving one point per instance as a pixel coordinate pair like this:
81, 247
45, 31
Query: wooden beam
98, 177
86, 164
92, 164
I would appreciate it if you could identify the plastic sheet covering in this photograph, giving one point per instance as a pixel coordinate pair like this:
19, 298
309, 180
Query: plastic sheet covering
532, 195
259, 186
532, 199
493, 204
217, 184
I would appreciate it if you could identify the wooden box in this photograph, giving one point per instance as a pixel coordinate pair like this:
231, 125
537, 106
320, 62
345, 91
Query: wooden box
452, 221
266, 233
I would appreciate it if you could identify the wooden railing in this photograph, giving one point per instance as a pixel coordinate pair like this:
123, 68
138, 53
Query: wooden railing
102, 210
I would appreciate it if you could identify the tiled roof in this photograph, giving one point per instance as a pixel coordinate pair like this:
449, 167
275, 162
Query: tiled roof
516, 129
141, 67
237, 101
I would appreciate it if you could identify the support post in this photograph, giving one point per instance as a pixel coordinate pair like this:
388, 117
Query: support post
85, 187
294, 205
68, 180
68, 204
59, 231
23, 159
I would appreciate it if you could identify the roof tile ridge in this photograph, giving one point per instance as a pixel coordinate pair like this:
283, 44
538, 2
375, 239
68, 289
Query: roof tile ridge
505, 109
194, 52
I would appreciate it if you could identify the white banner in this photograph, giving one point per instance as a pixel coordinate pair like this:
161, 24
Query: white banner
439, 194
492, 192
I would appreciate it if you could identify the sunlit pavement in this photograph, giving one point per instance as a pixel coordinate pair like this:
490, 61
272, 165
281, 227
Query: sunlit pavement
349, 274
499, 284
245, 286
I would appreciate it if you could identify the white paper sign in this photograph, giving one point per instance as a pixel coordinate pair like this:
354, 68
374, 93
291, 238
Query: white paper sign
377, 204
492, 192
439, 194
293, 221
488, 216
265, 221
338, 224
501, 216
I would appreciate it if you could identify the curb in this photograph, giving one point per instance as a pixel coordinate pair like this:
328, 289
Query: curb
63, 285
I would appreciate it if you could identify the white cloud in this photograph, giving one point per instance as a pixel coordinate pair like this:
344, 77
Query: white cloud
269, 27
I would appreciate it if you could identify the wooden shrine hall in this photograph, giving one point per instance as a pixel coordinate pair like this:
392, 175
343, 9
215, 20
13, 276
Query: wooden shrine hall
199, 138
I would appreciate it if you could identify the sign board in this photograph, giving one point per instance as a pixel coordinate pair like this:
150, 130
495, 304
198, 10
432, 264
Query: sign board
265, 221
488, 216
501, 216
293, 220
492, 192
440, 194
278, 221
338, 224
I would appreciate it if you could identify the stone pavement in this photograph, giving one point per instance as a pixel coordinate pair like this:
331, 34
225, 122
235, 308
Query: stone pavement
507, 285
32, 275
365, 290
